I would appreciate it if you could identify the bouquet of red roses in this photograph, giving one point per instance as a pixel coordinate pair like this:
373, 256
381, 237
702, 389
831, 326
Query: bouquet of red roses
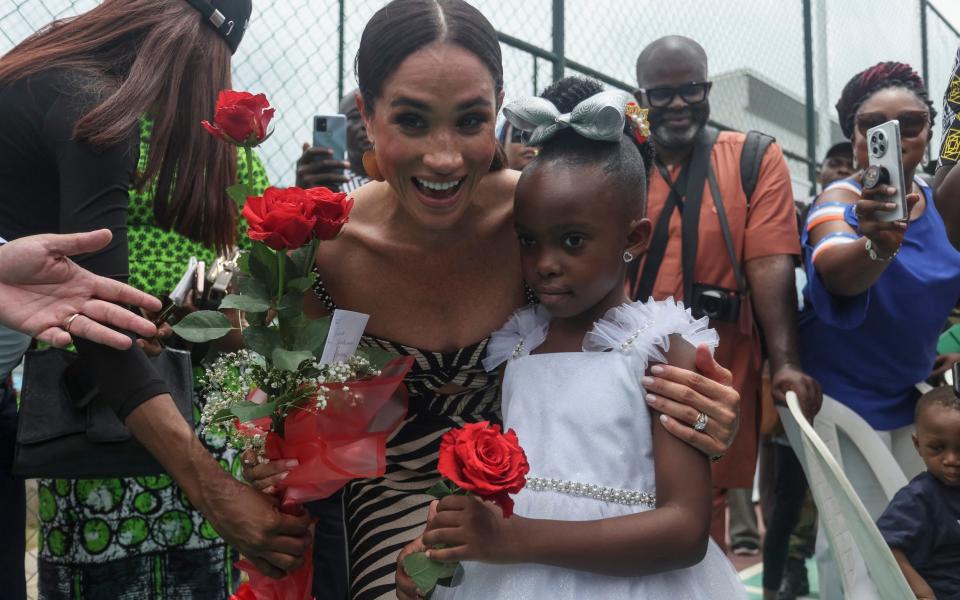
478, 460
277, 394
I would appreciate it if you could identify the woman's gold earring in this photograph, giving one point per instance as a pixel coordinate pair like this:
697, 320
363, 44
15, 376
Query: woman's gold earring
371, 166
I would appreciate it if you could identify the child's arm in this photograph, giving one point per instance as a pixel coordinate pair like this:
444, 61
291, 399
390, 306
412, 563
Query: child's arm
671, 536
920, 587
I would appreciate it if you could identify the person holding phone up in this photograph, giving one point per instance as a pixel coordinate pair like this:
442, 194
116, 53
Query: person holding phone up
879, 291
322, 164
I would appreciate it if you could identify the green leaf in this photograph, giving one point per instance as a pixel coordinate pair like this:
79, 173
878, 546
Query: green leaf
303, 257
291, 305
243, 263
425, 572
203, 326
262, 339
301, 284
249, 286
312, 336
263, 266
245, 303
248, 411
289, 360
440, 489
378, 357
239, 193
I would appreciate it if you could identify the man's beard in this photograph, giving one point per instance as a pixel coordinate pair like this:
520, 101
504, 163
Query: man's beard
668, 135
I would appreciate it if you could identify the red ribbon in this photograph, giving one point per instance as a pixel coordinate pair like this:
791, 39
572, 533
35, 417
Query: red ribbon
347, 440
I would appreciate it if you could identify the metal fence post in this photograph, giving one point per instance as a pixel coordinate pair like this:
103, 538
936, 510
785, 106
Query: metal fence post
811, 106
341, 50
923, 42
560, 63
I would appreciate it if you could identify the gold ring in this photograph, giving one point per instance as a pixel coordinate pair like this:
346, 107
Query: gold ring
69, 322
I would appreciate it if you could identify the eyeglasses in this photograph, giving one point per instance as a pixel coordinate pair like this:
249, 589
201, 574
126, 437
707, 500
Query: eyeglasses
516, 135
912, 122
691, 93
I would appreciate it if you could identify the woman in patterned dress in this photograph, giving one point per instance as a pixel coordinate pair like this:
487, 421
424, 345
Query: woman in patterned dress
431, 254
73, 97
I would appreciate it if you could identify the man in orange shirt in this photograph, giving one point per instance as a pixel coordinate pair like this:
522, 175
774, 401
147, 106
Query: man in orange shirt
742, 278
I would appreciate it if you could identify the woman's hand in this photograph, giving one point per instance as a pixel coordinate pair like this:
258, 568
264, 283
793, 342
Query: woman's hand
942, 364
469, 529
886, 236
406, 588
317, 167
265, 476
682, 395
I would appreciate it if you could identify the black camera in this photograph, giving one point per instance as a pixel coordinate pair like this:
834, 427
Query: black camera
717, 303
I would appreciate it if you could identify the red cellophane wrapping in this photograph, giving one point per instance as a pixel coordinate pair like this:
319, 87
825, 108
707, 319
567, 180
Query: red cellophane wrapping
347, 440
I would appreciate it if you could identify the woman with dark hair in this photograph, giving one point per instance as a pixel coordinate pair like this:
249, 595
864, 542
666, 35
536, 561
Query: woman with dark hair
103, 132
879, 292
431, 255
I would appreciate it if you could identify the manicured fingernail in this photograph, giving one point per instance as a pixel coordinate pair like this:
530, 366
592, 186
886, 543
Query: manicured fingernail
291, 463
268, 490
656, 369
646, 381
428, 553
651, 399
284, 475
889, 206
663, 419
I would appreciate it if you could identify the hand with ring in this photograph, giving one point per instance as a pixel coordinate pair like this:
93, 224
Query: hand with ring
886, 236
48, 296
701, 408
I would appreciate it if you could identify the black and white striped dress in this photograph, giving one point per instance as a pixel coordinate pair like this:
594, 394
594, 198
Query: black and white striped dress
383, 515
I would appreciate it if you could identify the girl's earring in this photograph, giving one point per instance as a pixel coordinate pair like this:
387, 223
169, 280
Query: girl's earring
627, 257
371, 166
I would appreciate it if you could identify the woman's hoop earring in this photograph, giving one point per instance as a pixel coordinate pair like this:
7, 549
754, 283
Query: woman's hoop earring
627, 257
371, 166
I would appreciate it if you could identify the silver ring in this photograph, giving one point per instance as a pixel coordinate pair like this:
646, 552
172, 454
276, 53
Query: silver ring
701, 423
69, 322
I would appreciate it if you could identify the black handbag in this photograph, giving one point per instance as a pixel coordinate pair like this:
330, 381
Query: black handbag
67, 431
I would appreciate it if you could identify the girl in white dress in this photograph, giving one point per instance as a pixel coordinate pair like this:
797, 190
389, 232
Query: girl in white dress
614, 507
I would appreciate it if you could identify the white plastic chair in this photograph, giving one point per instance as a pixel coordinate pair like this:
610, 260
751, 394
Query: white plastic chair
835, 418
867, 567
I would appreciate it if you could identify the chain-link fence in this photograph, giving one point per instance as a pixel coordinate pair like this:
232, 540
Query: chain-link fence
300, 52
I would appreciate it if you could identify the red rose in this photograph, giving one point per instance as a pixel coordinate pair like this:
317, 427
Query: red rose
241, 118
481, 459
331, 210
244, 592
282, 218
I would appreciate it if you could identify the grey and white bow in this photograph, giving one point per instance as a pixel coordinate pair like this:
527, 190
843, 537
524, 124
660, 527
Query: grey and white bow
599, 117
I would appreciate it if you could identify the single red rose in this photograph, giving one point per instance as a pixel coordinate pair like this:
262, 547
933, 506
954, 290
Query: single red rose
282, 218
241, 118
484, 461
332, 210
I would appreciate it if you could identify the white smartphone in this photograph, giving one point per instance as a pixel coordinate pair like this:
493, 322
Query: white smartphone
331, 131
884, 153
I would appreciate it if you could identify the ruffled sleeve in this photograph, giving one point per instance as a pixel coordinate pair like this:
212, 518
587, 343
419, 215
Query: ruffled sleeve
644, 329
523, 332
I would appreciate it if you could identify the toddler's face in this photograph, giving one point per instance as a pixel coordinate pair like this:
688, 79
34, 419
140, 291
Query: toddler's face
938, 441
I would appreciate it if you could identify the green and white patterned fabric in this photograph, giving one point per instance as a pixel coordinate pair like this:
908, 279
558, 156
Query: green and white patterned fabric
93, 521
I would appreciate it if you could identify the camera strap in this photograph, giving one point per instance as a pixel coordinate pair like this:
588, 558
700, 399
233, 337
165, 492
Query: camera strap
725, 228
694, 177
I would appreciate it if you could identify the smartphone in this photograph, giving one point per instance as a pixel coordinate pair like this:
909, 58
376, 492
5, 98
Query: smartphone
884, 155
331, 131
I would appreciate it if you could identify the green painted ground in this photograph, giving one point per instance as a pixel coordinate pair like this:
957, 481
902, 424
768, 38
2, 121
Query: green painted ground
752, 580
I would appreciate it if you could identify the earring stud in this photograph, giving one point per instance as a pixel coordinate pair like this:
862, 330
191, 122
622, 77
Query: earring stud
627, 257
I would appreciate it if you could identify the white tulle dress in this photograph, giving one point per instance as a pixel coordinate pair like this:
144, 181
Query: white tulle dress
583, 422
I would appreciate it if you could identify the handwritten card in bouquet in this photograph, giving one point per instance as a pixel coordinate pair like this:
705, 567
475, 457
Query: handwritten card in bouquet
346, 329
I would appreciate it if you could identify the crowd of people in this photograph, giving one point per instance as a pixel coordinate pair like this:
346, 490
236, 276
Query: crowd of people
605, 273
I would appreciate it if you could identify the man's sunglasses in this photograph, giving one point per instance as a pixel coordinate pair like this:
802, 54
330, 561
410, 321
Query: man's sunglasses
691, 93
912, 122
516, 135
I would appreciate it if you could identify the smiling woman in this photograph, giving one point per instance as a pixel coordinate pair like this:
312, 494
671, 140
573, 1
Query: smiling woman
430, 254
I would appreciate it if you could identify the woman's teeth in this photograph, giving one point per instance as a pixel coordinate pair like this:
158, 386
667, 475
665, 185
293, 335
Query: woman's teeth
438, 186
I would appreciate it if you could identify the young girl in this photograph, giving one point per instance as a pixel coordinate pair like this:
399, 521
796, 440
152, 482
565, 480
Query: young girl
599, 517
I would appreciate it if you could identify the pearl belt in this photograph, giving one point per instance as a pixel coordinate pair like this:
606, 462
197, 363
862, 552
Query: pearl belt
586, 490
